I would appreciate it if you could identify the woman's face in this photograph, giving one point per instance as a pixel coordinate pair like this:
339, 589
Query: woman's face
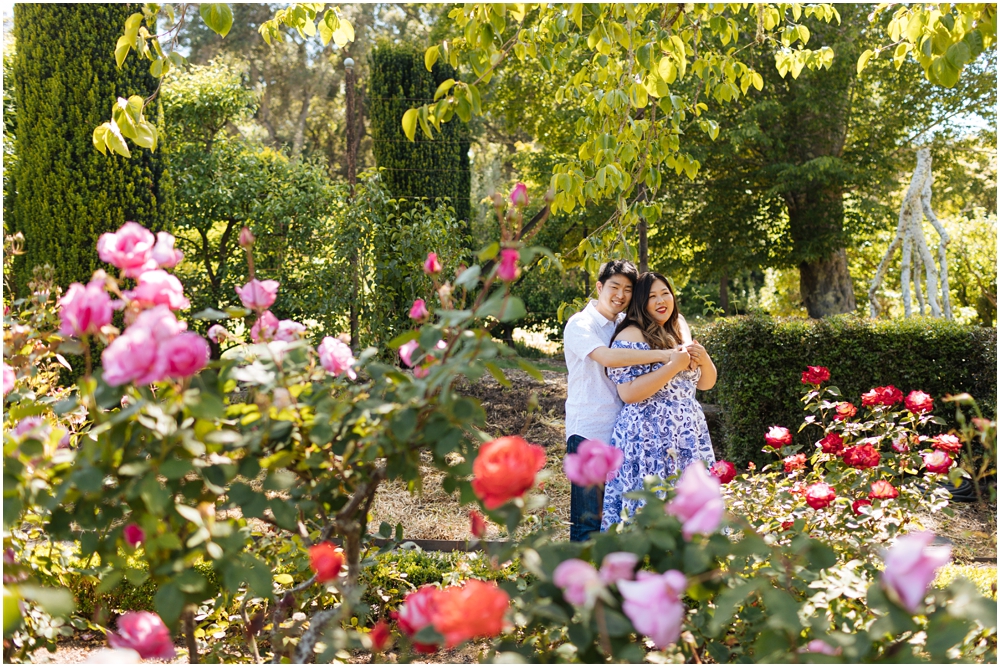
661, 302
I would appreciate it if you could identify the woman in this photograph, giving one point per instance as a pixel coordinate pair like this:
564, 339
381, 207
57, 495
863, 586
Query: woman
661, 429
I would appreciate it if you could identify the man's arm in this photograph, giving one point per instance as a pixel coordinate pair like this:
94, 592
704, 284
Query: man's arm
620, 356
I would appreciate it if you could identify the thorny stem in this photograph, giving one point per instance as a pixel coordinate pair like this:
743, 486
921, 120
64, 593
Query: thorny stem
246, 625
602, 627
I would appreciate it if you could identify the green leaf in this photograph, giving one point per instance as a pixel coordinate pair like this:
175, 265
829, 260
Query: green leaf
958, 54
344, 34
169, 603
121, 50
53, 601
410, 124
431, 56
210, 314
443, 88
217, 16
530, 369
327, 26
497, 374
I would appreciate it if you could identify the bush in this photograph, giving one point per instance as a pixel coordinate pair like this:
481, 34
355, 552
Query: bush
760, 360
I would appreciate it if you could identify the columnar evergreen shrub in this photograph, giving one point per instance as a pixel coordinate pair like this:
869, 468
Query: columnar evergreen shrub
67, 193
425, 168
761, 358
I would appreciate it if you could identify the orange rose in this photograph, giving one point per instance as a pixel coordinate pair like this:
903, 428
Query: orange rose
474, 609
325, 561
505, 469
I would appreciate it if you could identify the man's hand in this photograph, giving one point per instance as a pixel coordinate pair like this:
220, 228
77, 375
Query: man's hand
680, 358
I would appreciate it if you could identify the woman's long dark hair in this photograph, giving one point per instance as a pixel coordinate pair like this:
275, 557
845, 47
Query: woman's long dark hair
659, 337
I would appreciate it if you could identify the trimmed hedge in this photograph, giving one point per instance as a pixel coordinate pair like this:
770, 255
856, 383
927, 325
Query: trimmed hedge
761, 359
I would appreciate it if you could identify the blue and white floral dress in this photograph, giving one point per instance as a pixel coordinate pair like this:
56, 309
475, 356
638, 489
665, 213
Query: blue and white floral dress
659, 436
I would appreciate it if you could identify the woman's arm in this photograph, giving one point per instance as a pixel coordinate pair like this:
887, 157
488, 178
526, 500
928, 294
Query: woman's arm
646, 385
709, 374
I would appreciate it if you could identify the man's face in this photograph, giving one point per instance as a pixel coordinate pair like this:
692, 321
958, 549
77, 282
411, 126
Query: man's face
615, 293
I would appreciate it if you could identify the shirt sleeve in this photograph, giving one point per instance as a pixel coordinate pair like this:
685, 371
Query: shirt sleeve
581, 339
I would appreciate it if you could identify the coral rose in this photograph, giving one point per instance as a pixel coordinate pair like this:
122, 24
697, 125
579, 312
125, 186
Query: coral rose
724, 471
815, 375
820, 495
594, 463
832, 443
618, 566
918, 402
862, 456
579, 580
258, 294
336, 357
415, 614
794, 462
507, 271
883, 490
84, 309
504, 469
653, 603
185, 354
477, 524
474, 609
431, 265
937, 462
129, 249
418, 310
844, 411
325, 560
778, 436
145, 633
947, 442
698, 503
910, 568
856, 505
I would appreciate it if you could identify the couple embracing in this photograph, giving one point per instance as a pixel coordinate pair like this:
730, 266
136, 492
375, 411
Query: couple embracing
632, 373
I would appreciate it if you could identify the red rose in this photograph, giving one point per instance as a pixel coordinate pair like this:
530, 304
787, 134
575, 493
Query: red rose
477, 524
857, 504
820, 495
862, 456
890, 395
724, 470
869, 398
785, 525
845, 410
474, 609
833, 443
816, 375
380, 636
918, 402
947, 442
937, 461
778, 436
325, 561
883, 490
505, 469
795, 462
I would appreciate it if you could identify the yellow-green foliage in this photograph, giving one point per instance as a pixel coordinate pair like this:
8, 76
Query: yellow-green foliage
985, 578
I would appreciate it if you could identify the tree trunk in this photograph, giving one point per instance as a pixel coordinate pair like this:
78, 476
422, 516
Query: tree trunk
643, 246
724, 293
826, 285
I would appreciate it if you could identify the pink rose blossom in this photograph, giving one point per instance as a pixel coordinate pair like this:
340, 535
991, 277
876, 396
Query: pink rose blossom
159, 287
134, 356
698, 503
130, 249
618, 566
258, 294
420, 372
163, 252
507, 271
217, 333
653, 603
289, 331
431, 264
144, 632
246, 237
819, 646
185, 354
519, 195
593, 464
418, 310
406, 351
910, 568
579, 581
84, 309
336, 357
29, 424
9, 378
264, 327
133, 534
159, 322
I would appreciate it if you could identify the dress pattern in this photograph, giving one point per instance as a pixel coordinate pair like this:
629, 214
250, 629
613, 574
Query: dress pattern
659, 436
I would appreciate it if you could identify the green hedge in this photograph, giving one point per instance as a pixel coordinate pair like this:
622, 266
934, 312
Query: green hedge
761, 359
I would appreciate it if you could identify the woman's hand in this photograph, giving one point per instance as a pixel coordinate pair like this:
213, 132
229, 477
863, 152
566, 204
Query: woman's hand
697, 353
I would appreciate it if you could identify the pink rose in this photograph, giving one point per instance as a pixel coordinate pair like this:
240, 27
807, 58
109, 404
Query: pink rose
289, 331
246, 237
594, 463
217, 333
134, 356
418, 310
159, 323
264, 328
618, 566
133, 534
819, 646
579, 581
416, 613
918, 402
144, 632
778, 436
519, 195
130, 249
653, 603
406, 351
420, 372
29, 424
507, 271
84, 309
336, 357
431, 265
9, 378
185, 354
698, 503
163, 252
910, 568
159, 287
258, 294
937, 462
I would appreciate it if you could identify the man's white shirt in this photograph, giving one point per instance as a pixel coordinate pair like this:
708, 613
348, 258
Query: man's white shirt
592, 402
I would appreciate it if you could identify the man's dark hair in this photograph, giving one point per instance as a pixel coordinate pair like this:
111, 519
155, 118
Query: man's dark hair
618, 267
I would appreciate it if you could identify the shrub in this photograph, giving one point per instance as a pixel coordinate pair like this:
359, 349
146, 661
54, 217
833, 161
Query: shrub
760, 359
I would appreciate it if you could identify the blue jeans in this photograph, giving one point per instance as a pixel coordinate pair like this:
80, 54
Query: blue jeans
585, 503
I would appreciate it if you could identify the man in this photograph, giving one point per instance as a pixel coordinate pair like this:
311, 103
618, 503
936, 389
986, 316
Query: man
592, 402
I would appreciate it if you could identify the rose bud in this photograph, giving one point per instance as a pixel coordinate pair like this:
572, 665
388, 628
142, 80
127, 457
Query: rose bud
133, 534
432, 266
418, 310
246, 237
519, 195
477, 524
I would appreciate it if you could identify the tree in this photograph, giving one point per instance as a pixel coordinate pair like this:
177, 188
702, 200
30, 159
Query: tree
66, 194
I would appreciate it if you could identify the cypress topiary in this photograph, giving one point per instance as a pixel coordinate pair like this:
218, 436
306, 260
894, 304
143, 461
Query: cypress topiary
65, 193
434, 168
